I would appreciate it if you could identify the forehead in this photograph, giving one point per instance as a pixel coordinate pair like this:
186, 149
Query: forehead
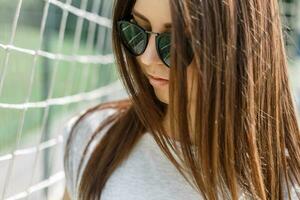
161, 7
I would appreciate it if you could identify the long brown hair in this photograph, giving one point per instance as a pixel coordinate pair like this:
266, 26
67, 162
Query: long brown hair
245, 117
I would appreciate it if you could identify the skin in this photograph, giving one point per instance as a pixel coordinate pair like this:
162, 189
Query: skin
157, 16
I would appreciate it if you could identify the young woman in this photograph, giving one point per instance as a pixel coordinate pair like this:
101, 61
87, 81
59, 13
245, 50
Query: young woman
210, 114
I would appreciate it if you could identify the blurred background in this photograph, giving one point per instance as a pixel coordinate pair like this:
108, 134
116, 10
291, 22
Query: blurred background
55, 61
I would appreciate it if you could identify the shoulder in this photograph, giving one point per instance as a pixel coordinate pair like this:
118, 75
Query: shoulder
79, 130
88, 120
92, 116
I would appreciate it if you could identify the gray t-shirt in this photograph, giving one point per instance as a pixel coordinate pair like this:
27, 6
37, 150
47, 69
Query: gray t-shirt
147, 174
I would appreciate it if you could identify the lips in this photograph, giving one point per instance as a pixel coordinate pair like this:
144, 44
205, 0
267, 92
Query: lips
157, 81
157, 78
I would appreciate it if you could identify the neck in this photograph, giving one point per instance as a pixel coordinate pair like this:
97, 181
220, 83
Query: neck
166, 124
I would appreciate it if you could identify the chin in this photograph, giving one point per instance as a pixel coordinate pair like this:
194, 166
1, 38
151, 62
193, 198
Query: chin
164, 98
164, 101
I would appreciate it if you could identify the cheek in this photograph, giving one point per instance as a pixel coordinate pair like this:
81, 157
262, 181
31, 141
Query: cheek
140, 64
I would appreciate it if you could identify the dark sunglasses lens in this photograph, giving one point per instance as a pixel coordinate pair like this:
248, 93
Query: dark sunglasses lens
133, 37
164, 47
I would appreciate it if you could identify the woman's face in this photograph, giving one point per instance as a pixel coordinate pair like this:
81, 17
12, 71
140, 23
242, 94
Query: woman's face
155, 16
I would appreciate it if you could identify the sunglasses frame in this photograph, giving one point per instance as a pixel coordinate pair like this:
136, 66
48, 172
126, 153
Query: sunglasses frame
145, 32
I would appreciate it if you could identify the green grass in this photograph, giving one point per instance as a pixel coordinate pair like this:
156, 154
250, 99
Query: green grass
69, 80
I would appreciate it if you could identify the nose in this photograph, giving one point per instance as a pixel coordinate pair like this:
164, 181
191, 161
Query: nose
150, 56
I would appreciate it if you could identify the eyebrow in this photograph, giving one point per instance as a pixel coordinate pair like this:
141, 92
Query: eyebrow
134, 12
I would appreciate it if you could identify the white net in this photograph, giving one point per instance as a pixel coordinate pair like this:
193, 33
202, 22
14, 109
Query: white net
55, 59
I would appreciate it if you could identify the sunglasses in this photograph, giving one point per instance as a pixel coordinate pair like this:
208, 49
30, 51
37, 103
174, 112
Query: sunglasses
135, 39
